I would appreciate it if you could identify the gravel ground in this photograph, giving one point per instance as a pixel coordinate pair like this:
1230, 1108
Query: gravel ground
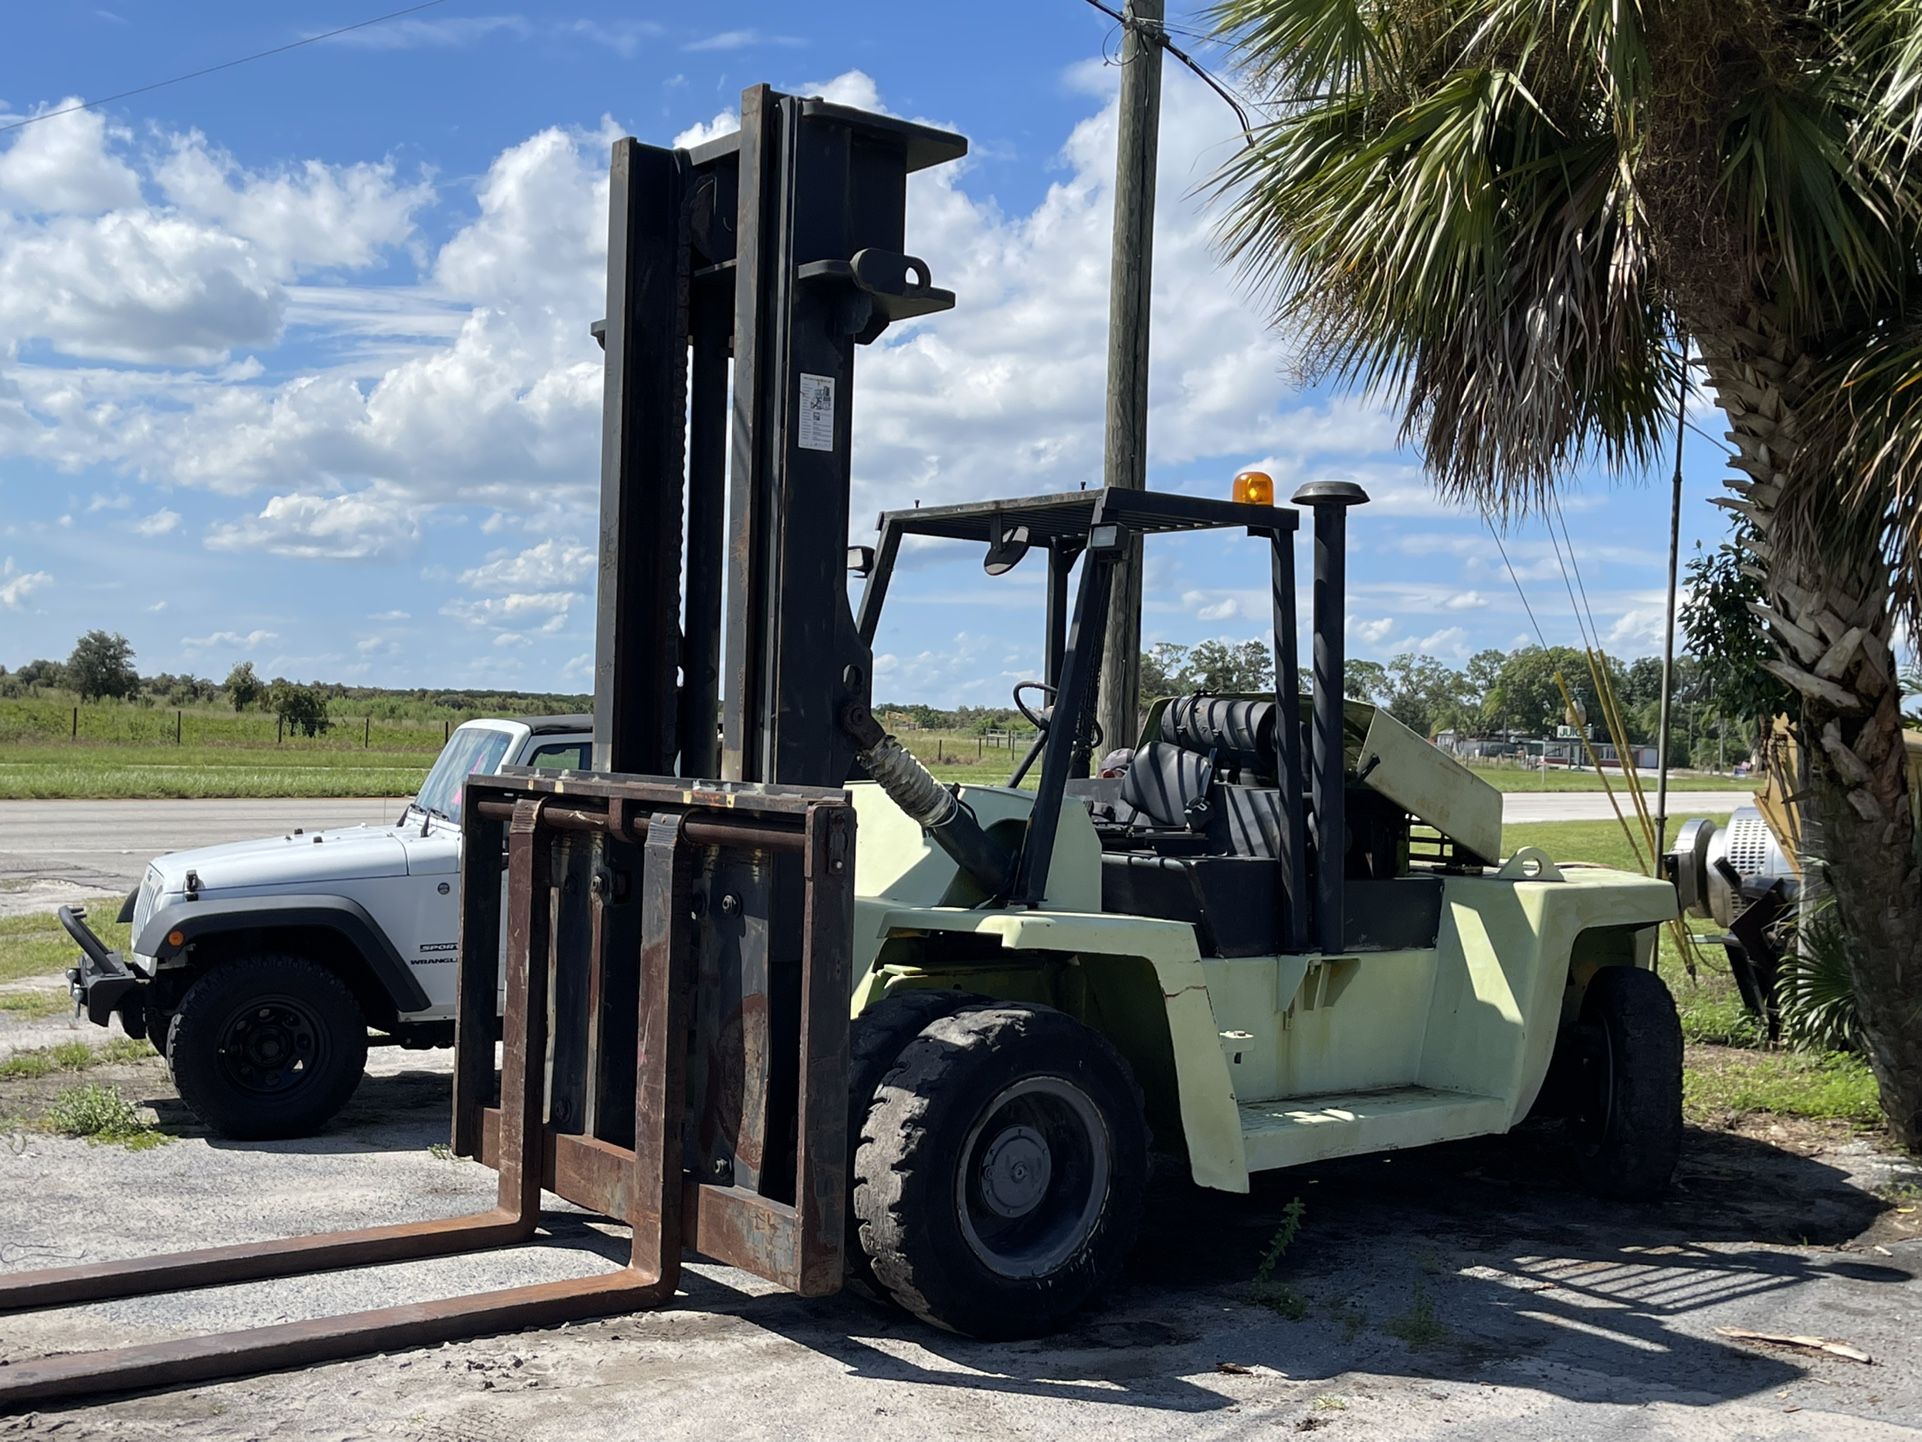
1460, 1287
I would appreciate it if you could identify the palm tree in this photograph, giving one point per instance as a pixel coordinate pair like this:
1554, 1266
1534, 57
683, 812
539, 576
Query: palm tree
1508, 214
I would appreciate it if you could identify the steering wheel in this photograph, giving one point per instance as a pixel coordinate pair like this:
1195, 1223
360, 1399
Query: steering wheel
1041, 719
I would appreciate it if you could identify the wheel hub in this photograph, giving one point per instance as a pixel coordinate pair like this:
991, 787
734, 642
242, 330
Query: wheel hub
1033, 1176
1015, 1171
269, 1046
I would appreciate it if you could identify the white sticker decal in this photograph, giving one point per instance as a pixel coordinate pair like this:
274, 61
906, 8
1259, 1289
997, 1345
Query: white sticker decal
817, 413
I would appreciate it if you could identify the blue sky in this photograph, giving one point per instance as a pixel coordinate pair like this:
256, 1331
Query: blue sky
295, 364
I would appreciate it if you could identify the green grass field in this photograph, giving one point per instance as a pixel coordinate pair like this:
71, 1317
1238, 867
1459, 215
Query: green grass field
138, 773
1515, 778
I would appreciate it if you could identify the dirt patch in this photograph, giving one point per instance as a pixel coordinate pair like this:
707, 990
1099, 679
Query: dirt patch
28, 896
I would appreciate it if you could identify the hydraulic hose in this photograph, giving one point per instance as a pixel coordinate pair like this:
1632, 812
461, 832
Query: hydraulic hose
914, 789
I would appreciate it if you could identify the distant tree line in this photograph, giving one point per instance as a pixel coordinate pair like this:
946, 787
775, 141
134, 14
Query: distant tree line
1493, 693
101, 668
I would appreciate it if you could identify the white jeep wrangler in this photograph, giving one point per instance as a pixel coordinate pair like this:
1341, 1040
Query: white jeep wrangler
259, 967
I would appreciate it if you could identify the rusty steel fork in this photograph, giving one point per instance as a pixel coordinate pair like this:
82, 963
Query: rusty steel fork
649, 1278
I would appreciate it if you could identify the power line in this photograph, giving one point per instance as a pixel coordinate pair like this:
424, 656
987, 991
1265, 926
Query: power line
223, 65
1157, 33
1496, 535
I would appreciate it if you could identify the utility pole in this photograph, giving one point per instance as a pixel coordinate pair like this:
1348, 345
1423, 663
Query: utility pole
1668, 632
1126, 461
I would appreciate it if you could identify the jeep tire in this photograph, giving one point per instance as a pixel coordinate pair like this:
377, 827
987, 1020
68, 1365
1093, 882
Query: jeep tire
267, 1046
1001, 1172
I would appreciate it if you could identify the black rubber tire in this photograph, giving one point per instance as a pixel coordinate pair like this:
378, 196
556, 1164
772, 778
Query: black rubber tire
1630, 1136
910, 1162
875, 1041
158, 1023
205, 1080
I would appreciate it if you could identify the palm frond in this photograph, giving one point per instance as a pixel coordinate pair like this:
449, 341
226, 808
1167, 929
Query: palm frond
1472, 249
1815, 989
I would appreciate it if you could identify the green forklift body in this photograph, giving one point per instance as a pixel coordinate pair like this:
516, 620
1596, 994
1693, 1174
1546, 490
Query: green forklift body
1274, 1060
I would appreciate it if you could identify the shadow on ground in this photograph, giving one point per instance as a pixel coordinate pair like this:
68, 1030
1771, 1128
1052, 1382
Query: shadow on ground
1436, 1264
404, 1111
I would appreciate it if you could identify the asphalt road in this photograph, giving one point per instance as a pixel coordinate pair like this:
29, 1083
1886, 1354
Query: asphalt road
107, 843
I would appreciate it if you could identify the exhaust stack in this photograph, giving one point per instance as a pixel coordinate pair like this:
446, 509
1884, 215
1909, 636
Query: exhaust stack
1329, 500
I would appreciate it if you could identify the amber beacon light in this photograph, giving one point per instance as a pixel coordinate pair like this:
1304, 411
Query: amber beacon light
1255, 488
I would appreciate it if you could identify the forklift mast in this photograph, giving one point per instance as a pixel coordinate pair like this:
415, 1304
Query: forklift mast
779, 247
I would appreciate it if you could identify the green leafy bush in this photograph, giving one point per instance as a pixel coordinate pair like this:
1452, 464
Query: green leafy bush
100, 1114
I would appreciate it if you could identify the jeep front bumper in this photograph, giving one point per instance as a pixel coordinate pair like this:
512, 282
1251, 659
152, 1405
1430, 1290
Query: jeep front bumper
102, 983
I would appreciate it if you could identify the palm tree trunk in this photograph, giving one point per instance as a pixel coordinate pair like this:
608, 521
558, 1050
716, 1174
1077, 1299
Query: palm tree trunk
1831, 627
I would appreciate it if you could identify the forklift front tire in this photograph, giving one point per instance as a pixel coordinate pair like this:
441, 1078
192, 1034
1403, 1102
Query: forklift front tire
1001, 1171
876, 1039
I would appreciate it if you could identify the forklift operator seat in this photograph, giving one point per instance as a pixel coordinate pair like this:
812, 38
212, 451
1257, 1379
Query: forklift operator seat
1177, 781
1167, 785
1208, 814
1238, 734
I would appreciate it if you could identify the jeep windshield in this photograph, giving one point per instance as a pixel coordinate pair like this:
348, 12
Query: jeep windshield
472, 751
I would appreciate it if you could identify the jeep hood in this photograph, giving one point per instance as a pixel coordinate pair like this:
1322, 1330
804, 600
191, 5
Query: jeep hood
351, 853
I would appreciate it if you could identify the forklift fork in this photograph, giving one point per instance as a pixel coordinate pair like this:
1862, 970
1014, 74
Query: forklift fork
797, 1244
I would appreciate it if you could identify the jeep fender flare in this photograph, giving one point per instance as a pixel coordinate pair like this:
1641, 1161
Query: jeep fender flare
199, 920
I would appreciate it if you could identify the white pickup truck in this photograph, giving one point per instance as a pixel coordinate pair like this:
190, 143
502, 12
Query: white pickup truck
258, 968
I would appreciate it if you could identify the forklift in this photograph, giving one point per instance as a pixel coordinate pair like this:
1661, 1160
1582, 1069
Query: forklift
776, 996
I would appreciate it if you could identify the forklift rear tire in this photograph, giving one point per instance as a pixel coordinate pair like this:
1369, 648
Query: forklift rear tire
267, 1046
1628, 1107
876, 1039
1001, 1171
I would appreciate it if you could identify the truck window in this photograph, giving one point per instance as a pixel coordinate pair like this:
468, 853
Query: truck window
561, 756
475, 751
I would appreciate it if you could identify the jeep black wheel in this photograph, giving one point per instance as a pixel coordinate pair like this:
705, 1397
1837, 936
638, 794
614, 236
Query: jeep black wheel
267, 1046
1626, 1087
1001, 1171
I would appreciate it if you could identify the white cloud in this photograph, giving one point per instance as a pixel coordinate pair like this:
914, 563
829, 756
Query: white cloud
160, 523
1465, 601
61, 166
304, 216
743, 40
348, 527
136, 286
1374, 632
624, 37
1220, 609
548, 566
1641, 627
16, 586
447, 33
545, 611
88, 266
391, 616
118, 501
229, 640
1449, 644
156, 608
